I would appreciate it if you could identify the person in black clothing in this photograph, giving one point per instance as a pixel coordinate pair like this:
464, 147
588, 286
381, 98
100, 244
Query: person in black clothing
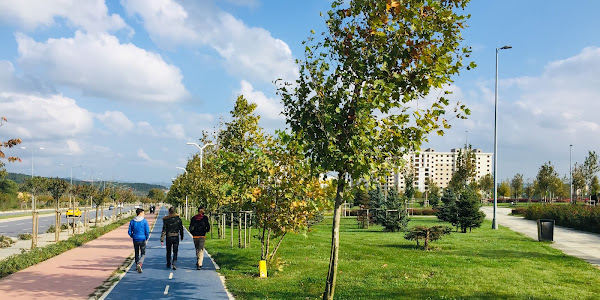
172, 229
199, 225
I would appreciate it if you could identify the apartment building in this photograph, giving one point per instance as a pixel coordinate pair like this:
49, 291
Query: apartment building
437, 166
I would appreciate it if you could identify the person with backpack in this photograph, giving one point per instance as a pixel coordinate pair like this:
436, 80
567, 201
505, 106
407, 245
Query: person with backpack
172, 229
199, 226
139, 231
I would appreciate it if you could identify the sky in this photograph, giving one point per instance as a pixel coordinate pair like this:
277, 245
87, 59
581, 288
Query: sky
113, 90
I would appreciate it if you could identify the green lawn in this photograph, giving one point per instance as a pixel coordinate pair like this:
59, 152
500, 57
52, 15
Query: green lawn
484, 264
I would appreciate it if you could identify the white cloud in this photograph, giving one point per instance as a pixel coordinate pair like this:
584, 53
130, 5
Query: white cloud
73, 147
266, 107
90, 15
176, 130
116, 121
142, 154
44, 117
538, 116
101, 66
248, 52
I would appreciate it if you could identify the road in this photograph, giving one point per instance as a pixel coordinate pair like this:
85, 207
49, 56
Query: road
157, 281
13, 228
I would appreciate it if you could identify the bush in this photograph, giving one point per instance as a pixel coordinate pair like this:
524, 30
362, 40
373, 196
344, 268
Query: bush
18, 262
394, 222
578, 217
5, 241
51, 229
519, 211
25, 236
423, 211
427, 234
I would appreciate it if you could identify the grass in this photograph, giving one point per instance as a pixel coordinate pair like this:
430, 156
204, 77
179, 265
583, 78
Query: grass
484, 264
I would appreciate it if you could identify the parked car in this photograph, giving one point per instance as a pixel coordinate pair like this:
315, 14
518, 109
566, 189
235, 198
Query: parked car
111, 207
73, 213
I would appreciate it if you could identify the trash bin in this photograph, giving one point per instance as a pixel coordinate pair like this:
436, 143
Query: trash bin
545, 230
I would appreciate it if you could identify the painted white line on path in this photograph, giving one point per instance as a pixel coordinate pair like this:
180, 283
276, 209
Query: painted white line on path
171, 275
166, 290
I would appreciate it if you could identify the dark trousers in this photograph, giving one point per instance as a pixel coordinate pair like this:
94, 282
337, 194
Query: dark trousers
139, 247
172, 243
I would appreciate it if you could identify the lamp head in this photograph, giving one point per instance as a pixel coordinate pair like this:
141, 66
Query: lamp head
506, 47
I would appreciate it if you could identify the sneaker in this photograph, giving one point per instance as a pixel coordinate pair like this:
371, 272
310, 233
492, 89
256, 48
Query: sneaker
174, 266
138, 267
199, 267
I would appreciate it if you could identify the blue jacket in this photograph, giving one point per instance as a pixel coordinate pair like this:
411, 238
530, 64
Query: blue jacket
138, 229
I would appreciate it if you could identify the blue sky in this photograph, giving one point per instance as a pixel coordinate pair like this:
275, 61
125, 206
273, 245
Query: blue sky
121, 86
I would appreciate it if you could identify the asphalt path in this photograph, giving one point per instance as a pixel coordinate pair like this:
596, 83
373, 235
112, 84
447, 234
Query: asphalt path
20, 225
158, 281
20, 212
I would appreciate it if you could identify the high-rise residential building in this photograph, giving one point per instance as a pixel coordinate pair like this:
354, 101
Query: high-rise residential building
437, 166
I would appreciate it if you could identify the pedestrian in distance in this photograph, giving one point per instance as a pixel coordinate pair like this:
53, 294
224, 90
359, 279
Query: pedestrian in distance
199, 226
172, 229
139, 231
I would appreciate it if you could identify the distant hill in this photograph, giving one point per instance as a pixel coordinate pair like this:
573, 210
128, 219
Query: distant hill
140, 189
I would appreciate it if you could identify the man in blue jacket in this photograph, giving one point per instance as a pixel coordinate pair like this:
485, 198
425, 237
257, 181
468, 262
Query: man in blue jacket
139, 231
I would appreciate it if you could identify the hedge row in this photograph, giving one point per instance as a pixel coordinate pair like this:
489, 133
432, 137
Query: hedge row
423, 211
580, 217
18, 262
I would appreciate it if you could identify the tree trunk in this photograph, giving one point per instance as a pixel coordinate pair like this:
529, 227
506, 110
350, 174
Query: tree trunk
335, 240
427, 239
239, 230
57, 222
263, 252
277, 247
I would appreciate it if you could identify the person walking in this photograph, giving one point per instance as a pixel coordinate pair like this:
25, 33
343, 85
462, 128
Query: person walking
172, 229
139, 231
199, 226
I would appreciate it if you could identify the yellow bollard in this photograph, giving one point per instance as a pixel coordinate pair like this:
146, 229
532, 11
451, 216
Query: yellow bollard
262, 269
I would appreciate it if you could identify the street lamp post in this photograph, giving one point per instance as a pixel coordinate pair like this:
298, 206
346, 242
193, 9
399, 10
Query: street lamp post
201, 150
186, 197
570, 175
34, 225
494, 222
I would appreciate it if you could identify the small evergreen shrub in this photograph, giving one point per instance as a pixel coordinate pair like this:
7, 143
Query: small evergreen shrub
25, 236
5, 241
51, 229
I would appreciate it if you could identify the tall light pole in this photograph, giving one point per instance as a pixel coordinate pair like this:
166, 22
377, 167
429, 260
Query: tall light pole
186, 197
201, 150
494, 223
34, 226
570, 175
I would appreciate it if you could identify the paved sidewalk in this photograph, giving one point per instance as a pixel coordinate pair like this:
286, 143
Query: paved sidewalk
74, 274
576, 243
157, 281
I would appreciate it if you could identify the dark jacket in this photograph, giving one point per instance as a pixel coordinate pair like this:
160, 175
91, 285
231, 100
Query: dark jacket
172, 226
199, 225
138, 229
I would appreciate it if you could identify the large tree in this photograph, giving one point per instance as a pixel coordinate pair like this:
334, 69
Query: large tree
546, 179
486, 184
7, 144
591, 166
240, 141
57, 187
359, 98
465, 171
578, 180
516, 185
